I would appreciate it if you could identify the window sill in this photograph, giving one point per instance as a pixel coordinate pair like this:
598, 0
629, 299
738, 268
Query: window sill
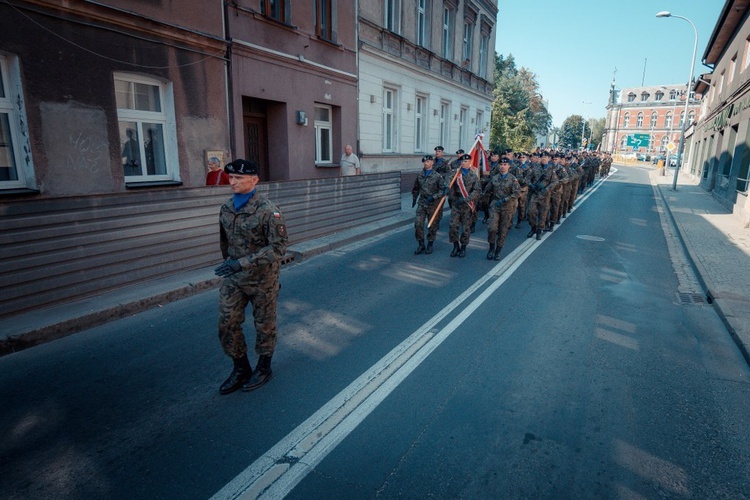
150, 184
19, 191
327, 165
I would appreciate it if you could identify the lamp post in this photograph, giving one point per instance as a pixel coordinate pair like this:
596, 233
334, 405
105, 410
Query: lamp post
583, 124
687, 96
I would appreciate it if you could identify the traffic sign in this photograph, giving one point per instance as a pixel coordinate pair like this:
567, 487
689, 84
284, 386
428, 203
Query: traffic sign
638, 140
671, 146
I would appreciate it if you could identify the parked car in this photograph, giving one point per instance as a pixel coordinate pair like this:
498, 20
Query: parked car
656, 158
673, 161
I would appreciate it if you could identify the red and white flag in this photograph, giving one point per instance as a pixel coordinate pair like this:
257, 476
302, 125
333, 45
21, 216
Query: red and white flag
479, 156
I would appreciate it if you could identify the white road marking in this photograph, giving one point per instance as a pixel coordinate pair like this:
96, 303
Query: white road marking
280, 469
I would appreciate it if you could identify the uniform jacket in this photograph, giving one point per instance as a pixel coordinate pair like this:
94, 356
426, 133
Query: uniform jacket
255, 235
432, 185
507, 189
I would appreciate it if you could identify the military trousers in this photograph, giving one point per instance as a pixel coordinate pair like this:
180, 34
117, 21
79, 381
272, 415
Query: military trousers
235, 294
538, 209
459, 230
522, 202
424, 213
500, 220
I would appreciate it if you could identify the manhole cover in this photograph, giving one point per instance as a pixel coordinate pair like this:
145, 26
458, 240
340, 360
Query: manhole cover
589, 238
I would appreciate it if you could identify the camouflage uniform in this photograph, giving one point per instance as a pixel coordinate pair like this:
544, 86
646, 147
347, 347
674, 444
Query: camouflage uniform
557, 194
606, 164
505, 191
429, 187
461, 212
520, 172
575, 178
542, 180
255, 235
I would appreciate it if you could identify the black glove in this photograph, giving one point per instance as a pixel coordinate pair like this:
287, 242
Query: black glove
413, 202
499, 203
228, 268
429, 200
459, 202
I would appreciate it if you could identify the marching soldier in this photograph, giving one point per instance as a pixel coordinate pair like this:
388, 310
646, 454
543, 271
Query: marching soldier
464, 194
557, 192
429, 188
542, 180
504, 190
252, 239
520, 172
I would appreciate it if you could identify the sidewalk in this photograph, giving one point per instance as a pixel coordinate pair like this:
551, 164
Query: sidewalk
37, 327
718, 246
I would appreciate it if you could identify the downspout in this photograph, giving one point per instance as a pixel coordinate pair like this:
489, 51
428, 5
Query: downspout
229, 83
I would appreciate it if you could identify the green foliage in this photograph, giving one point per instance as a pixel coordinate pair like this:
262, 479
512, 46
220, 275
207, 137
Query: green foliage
518, 112
572, 129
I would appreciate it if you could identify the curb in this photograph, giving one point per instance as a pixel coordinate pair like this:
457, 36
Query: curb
87, 313
721, 306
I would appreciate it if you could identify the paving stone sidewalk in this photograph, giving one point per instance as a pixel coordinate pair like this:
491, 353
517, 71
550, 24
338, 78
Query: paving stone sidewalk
718, 245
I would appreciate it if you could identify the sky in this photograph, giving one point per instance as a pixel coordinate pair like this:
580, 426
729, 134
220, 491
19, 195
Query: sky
574, 46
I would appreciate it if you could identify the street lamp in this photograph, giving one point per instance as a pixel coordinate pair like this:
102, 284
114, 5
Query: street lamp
583, 124
687, 96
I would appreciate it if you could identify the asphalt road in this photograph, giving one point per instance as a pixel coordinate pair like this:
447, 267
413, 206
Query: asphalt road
569, 369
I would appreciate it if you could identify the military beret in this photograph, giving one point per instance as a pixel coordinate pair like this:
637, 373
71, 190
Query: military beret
495, 153
504, 160
465, 157
460, 152
439, 148
242, 167
426, 158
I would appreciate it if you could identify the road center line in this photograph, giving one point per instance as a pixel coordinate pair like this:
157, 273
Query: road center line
280, 469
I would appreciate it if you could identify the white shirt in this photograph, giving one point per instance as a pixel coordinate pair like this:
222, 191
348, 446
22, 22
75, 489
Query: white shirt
349, 164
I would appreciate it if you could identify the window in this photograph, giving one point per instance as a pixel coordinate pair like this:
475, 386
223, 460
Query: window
626, 121
467, 46
392, 15
672, 95
420, 108
644, 96
323, 134
732, 67
664, 142
721, 83
478, 123
325, 15
639, 120
462, 127
746, 56
691, 117
389, 120
422, 24
145, 114
445, 112
654, 117
668, 120
447, 33
483, 43
13, 133
682, 119
279, 10
631, 97
658, 96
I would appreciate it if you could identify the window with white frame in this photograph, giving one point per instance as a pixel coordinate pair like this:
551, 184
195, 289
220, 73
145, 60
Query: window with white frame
682, 119
721, 83
644, 96
389, 120
626, 121
639, 120
664, 142
654, 117
672, 95
392, 15
445, 113
691, 117
145, 113
479, 118
422, 24
12, 129
467, 42
746, 55
732, 67
668, 120
448, 15
420, 114
483, 44
323, 133
659, 95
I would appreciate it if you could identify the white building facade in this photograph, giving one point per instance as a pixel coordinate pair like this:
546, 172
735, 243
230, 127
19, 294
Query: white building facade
425, 78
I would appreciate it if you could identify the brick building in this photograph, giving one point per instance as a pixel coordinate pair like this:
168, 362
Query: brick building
652, 113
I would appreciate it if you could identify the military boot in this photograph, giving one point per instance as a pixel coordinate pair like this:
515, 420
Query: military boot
551, 227
518, 224
497, 253
462, 251
261, 375
420, 249
241, 373
532, 232
491, 252
428, 250
538, 234
455, 250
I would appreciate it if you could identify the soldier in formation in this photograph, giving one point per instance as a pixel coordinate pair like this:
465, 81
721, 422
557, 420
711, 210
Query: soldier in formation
429, 188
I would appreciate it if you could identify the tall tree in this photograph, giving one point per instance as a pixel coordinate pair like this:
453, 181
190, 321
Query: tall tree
518, 111
574, 128
597, 131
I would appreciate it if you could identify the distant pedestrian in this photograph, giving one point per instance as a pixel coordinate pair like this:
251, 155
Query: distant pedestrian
253, 239
216, 176
349, 162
